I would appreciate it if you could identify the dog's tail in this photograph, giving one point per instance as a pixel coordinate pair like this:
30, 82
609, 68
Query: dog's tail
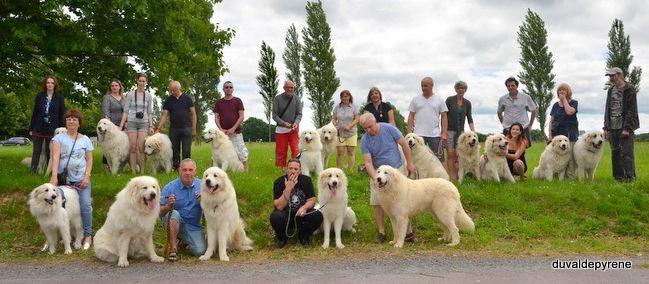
240, 238
463, 221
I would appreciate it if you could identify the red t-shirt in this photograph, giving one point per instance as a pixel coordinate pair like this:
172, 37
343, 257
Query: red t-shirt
228, 111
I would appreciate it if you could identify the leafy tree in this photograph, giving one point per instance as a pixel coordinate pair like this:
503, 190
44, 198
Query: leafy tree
267, 81
320, 81
86, 43
11, 115
291, 58
537, 63
254, 129
619, 54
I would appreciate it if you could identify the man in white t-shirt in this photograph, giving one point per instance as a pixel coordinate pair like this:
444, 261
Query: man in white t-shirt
427, 118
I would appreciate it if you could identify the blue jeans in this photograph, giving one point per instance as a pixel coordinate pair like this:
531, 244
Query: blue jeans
85, 204
195, 239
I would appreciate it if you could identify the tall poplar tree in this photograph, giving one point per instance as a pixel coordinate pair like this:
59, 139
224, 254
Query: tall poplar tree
292, 59
537, 63
267, 81
320, 81
619, 54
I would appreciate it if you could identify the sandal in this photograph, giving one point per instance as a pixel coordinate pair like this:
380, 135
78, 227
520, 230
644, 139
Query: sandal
172, 256
411, 237
382, 238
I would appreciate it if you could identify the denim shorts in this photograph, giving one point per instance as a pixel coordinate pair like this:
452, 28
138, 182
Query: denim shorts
195, 239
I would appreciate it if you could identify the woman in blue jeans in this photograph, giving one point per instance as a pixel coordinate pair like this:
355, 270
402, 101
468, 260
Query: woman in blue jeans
72, 151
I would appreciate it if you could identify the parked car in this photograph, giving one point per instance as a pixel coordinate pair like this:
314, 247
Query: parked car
16, 141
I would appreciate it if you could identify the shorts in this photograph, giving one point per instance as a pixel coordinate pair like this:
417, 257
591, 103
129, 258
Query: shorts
347, 141
451, 141
240, 146
137, 126
195, 239
434, 144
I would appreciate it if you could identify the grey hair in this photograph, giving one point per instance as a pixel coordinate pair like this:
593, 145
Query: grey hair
461, 84
366, 117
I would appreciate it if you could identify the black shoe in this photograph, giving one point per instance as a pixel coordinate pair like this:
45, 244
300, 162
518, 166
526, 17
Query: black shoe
305, 242
280, 243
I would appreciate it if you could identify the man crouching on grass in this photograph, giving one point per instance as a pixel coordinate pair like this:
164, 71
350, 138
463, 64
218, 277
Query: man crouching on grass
294, 201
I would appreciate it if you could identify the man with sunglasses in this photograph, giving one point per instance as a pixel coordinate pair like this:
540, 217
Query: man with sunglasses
228, 116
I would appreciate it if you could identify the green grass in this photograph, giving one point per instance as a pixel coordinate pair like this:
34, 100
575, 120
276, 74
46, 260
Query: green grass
527, 218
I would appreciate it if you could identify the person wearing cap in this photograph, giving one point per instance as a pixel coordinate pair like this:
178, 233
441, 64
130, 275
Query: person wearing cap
513, 107
620, 120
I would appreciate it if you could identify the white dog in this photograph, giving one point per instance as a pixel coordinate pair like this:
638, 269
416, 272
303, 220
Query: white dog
587, 152
128, 230
114, 143
58, 214
554, 159
310, 152
158, 146
224, 154
225, 227
468, 153
332, 192
493, 163
428, 165
329, 139
402, 198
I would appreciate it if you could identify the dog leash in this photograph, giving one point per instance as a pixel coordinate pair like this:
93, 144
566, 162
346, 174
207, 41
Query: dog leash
168, 228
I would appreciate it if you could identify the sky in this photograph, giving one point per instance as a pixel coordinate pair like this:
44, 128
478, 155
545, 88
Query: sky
393, 44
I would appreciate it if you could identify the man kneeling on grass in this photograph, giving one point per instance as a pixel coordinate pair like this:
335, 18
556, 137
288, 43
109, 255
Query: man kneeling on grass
294, 201
180, 202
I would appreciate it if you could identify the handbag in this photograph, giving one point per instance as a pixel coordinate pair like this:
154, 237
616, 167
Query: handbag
62, 177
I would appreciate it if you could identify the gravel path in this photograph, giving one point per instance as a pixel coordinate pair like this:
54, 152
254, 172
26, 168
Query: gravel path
406, 269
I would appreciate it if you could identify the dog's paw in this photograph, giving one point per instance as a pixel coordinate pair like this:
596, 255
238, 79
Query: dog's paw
246, 248
122, 263
453, 244
77, 245
352, 230
156, 258
398, 245
68, 250
325, 246
391, 242
340, 246
205, 257
224, 258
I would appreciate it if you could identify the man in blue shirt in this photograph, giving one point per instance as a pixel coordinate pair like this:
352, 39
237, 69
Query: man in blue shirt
181, 197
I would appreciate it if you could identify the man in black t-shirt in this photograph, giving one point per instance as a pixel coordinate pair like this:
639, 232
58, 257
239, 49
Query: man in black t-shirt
294, 201
182, 116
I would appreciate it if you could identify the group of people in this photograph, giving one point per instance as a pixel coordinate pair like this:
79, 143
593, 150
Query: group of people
438, 121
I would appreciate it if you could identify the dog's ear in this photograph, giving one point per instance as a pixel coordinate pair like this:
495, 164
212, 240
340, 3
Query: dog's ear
420, 140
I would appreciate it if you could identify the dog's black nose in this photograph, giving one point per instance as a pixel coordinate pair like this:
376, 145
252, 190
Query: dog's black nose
152, 195
378, 179
208, 182
335, 183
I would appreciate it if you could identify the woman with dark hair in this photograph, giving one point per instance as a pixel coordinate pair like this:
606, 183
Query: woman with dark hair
382, 111
516, 150
72, 153
112, 107
47, 115
345, 118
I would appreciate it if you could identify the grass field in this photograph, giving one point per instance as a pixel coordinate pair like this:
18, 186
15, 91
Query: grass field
527, 218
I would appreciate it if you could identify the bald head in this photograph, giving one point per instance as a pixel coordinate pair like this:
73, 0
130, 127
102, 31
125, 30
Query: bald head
289, 87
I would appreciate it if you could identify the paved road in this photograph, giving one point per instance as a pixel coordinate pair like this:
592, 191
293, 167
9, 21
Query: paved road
407, 269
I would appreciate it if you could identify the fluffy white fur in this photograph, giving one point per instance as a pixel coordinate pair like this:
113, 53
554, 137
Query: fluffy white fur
332, 192
225, 227
587, 152
224, 155
428, 165
310, 152
554, 159
58, 223
158, 146
493, 163
329, 139
468, 153
114, 143
128, 230
403, 198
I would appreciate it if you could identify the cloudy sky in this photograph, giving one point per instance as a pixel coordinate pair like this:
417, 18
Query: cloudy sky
394, 44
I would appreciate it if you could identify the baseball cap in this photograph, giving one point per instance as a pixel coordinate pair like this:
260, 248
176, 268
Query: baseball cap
613, 71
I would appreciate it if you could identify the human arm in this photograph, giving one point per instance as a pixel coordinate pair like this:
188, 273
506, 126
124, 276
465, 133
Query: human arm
411, 122
569, 109
532, 117
55, 151
284, 187
391, 118
171, 200
519, 151
369, 166
550, 135
192, 110
163, 119
86, 177
406, 153
500, 116
105, 107
307, 205
353, 123
444, 134
236, 124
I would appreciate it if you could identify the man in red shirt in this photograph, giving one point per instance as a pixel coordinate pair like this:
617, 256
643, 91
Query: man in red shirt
228, 116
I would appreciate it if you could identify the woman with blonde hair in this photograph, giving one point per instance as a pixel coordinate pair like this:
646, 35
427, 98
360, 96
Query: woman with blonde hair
563, 116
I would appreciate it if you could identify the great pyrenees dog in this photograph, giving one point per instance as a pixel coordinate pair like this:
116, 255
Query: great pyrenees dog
468, 153
57, 211
310, 152
329, 139
224, 155
428, 165
403, 198
493, 163
587, 152
114, 143
128, 230
332, 192
158, 146
554, 159
225, 227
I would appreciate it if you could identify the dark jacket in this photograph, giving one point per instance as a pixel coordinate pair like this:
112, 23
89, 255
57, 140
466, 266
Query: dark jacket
630, 120
40, 126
